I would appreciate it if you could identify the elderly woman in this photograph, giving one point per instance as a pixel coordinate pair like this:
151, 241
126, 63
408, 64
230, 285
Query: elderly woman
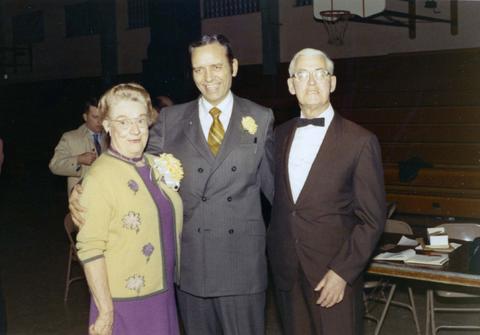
129, 242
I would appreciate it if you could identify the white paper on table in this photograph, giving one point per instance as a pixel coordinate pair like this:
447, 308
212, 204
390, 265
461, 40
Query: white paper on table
395, 256
405, 241
455, 245
436, 230
428, 259
452, 247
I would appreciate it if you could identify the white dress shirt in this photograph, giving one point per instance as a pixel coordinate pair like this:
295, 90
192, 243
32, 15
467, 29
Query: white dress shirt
206, 119
100, 135
305, 145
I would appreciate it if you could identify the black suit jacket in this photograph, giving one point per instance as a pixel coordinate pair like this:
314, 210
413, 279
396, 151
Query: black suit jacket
340, 212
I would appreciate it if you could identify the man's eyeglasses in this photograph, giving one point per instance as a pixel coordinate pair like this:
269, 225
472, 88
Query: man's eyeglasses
318, 75
125, 124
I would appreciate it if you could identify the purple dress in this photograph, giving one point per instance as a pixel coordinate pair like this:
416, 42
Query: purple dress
157, 314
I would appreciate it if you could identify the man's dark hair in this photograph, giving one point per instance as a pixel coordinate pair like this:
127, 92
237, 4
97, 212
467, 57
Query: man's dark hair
211, 39
92, 101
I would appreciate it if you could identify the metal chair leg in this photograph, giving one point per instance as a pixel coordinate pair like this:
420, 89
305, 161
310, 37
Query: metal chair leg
427, 313
69, 269
432, 312
367, 314
385, 309
414, 310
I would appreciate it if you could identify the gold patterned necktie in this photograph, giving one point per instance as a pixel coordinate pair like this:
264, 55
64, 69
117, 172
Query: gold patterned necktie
216, 133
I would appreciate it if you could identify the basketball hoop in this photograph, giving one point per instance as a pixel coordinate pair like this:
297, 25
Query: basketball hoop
335, 22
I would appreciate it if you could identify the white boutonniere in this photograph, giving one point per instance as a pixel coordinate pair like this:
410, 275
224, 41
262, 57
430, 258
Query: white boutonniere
169, 169
249, 125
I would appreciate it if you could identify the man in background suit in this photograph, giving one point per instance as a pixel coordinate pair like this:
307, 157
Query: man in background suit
1, 155
3, 314
79, 148
329, 207
225, 144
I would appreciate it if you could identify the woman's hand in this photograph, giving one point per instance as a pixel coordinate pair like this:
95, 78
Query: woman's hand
103, 325
96, 273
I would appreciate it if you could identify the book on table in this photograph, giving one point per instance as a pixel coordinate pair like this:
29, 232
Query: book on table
409, 256
451, 247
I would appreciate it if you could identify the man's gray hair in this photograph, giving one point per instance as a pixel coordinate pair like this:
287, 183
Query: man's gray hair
310, 52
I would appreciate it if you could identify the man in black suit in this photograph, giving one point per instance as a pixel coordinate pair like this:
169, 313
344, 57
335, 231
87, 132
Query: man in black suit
328, 210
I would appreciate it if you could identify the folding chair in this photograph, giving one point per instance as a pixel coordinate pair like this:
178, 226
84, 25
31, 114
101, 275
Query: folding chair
71, 231
457, 231
391, 208
381, 286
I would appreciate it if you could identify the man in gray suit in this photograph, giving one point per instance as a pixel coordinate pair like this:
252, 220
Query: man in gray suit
225, 144
227, 160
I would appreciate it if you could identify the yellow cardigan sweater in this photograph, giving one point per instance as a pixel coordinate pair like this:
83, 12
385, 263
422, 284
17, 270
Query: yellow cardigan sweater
122, 224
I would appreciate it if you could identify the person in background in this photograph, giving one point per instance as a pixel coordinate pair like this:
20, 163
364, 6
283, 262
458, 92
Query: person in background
2, 155
329, 207
3, 314
160, 102
79, 148
129, 244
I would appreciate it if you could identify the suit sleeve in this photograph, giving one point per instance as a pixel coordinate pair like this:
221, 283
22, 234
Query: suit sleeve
64, 162
266, 165
369, 208
156, 134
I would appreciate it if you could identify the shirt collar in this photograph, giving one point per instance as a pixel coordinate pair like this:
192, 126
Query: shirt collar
93, 133
225, 106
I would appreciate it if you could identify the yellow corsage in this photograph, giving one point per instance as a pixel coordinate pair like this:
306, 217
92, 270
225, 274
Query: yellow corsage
249, 125
170, 169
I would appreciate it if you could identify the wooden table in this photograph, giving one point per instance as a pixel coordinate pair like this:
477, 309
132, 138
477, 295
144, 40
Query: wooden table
455, 272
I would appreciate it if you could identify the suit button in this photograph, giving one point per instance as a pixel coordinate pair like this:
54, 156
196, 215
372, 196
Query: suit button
234, 168
199, 230
200, 170
231, 231
229, 199
204, 198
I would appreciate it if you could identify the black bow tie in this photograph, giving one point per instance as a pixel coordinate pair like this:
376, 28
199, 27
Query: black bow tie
319, 122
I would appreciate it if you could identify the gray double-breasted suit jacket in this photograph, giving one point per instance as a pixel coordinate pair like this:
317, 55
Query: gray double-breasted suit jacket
223, 239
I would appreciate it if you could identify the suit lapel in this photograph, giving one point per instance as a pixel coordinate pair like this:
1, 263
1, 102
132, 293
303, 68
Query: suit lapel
325, 155
193, 131
87, 139
286, 146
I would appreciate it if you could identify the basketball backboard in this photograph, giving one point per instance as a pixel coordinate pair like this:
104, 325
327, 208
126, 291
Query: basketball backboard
362, 8
394, 13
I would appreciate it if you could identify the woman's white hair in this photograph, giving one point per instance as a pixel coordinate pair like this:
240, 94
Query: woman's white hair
310, 52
